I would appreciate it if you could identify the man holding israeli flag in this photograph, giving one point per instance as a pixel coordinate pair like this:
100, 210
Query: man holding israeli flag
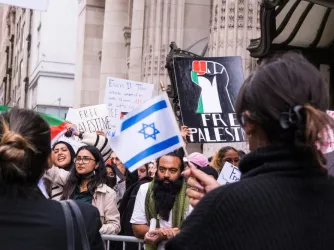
147, 133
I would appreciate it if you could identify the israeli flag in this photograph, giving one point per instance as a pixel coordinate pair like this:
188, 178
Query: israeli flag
147, 133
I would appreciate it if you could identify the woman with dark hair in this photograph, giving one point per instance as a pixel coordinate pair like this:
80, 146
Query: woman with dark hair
27, 219
63, 157
285, 198
142, 171
86, 182
111, 176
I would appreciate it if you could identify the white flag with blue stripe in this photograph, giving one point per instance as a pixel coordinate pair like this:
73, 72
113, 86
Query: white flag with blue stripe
147, 133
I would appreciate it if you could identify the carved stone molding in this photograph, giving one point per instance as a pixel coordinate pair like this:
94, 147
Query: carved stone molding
231, 15
241, 13
258, 26
250, 15
223, 14
127, 35
215, 24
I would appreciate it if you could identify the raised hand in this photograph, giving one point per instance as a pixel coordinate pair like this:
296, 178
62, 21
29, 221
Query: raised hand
199, 184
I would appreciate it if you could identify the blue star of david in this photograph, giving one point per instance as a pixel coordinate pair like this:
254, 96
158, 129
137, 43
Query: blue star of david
149, 131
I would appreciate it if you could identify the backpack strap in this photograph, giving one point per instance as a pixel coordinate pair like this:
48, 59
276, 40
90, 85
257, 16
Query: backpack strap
69, 225
82, 228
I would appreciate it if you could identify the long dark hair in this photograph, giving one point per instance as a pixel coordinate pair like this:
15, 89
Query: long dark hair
72, 154
24, 151
287, 98
96, 179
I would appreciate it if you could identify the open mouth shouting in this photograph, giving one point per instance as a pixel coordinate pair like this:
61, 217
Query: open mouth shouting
61, 158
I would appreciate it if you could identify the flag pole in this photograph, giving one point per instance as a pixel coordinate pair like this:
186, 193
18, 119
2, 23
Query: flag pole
164, 90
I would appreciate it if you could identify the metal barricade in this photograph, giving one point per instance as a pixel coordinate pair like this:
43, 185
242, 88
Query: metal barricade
119, 238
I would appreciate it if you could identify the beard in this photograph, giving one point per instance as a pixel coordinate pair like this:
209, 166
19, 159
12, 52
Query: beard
164, 195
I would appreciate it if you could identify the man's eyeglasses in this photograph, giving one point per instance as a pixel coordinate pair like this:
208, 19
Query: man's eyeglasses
84, 159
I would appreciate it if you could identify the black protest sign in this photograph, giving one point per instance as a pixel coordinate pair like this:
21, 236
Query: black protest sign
207, 90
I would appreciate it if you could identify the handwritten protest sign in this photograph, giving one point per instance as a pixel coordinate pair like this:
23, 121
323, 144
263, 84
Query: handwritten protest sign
90, 119
229, 174
123, 96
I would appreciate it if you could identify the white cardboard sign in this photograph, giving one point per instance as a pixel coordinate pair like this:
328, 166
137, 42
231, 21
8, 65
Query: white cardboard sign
122, 96
229, 174
90, 119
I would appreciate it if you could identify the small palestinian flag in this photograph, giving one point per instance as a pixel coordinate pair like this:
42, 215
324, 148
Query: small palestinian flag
123, 114
56, 124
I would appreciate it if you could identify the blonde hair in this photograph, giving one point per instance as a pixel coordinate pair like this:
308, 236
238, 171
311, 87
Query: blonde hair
217, 161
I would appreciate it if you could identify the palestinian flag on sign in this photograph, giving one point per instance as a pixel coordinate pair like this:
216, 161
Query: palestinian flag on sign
56, 124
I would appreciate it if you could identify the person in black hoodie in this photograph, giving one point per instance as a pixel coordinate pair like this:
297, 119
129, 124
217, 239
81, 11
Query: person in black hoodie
27, 219
285, 198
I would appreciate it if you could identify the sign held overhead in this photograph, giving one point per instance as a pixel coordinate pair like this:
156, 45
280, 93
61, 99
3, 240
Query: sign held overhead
207, 90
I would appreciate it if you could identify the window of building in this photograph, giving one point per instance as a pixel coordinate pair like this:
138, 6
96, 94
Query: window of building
13, 65
38, 40
17, 63
20, 73
18, 30
22, 34
13, 95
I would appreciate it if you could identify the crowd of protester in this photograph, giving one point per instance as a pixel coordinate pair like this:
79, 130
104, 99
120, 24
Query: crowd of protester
283, 201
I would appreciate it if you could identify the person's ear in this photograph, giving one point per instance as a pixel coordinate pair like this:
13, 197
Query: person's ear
256, 136
248, 126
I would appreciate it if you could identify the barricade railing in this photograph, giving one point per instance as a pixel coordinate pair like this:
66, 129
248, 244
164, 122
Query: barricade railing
120, 238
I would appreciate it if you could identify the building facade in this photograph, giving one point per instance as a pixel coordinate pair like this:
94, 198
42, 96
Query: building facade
126, 39
130, 40
39, 49
14, 51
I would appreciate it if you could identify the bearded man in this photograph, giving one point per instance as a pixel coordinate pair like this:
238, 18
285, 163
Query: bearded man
165, 200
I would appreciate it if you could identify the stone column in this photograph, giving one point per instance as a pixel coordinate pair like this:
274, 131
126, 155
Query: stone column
233, 24
89, 47
163, 23
136, 44
114, 51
